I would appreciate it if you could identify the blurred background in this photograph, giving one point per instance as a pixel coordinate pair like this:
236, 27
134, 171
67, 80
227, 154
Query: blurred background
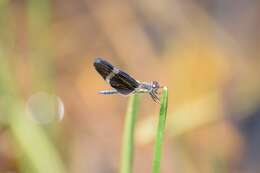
206, 51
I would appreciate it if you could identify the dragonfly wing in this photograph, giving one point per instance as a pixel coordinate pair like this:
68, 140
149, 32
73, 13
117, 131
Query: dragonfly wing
123, 83
103, 67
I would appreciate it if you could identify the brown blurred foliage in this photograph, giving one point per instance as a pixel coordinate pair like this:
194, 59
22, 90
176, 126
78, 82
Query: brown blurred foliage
205, 51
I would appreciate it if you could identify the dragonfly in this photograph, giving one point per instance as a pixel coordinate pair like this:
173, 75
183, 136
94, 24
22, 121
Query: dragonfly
122, 83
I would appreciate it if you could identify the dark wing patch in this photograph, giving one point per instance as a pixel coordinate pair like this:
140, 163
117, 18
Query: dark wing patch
123, 83
103, 67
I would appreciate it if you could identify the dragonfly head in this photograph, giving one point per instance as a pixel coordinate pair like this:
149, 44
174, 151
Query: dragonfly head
153, 92
155, 85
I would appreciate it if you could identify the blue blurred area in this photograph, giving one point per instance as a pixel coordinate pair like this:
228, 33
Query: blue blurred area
250, 129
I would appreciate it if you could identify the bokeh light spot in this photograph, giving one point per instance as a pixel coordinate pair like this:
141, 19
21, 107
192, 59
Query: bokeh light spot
45, 108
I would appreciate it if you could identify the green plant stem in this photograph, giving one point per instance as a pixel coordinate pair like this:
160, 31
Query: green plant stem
128, 135
160, 132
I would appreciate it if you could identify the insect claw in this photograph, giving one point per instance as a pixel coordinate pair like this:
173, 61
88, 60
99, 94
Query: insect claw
154, 97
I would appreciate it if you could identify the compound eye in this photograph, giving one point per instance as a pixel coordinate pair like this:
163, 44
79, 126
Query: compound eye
153, 86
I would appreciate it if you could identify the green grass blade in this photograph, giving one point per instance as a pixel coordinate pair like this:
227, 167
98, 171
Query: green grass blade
160, 132
128, 135
39, 155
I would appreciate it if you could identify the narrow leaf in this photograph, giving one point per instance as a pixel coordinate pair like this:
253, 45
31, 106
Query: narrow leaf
128, 135
160, 132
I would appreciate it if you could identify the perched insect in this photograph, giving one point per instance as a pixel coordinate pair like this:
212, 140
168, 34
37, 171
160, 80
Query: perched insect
122, 83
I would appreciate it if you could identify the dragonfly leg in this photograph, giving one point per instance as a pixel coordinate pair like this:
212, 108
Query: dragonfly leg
155, 97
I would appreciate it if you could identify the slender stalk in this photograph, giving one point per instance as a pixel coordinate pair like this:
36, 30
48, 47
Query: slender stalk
128, 135
39, 155
160, 132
